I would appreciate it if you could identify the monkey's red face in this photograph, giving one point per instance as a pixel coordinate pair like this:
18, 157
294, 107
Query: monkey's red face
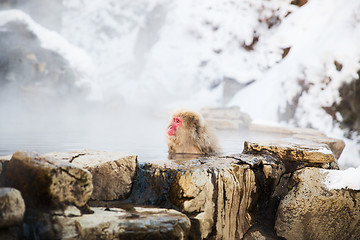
175, 124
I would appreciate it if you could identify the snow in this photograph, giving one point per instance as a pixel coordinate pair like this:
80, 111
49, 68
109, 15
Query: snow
325, 150
178, 47
341, 179
50, 39
170, 53
316, 42
76, 57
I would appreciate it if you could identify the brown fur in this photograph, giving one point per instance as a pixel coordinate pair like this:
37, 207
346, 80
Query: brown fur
193, 136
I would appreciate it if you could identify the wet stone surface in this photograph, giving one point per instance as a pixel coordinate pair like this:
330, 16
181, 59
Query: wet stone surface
117, 223
217, 193
249, 195
252, 183
112, 172
313, 153
47, 182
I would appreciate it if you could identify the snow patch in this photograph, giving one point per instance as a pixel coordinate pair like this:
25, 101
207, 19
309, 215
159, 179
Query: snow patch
51, 40
341, 179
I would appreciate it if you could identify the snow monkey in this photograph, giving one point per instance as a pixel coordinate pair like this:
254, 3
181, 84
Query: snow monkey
188, 132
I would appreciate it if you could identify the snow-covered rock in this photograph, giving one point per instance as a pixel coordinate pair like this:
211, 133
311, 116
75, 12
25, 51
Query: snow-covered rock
39, 63
342, 179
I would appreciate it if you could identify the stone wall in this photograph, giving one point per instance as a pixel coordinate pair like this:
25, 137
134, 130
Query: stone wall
272, 190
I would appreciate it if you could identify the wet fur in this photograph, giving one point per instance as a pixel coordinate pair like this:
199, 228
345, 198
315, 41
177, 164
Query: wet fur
193, 136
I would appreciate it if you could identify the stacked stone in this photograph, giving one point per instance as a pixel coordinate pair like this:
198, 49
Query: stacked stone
271, 190
56, 189
258, 194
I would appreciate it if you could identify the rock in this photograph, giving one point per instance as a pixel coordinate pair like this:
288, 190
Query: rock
112, 172
241, 196
304, 136
39, 75
346, 112
116, 223
335, 145
311, 211
226, 118
11, 233
259, 234
4, 160
46, 182
271, 183
216, 193
299, 3
12, 207
68, 211
312, 153
39, 11
268, 169
284, 130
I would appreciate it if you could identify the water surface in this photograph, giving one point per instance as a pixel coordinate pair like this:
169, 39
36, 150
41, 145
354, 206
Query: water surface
143, 136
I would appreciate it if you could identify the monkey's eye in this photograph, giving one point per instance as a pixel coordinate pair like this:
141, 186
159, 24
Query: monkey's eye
177, 120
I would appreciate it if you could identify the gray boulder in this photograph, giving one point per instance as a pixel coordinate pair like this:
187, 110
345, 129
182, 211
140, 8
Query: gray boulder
295, 152
117, 223
12, 207
112, 172
46, 182
302, 136
335, 145
312, 211
4, 160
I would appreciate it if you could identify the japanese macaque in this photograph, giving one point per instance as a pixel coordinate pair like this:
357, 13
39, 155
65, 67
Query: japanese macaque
188, 132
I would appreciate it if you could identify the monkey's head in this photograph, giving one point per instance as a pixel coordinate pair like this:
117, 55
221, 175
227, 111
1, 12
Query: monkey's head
184, 119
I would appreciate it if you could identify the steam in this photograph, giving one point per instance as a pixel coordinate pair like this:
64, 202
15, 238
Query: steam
51, 100
107, 74
86, 81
